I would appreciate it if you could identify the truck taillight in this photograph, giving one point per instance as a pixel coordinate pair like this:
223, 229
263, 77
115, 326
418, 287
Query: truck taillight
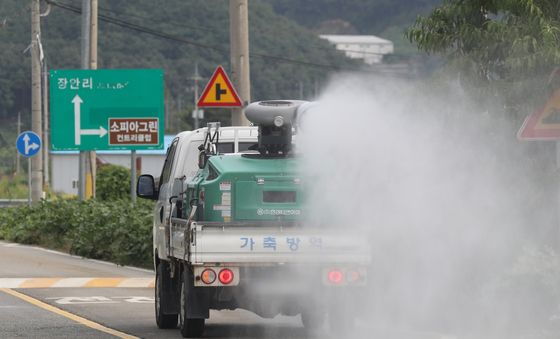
345, 276
335, 276
208, 276
225, 276
212, 276
353, 276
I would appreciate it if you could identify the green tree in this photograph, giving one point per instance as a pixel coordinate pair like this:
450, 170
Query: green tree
499, 39
113, 182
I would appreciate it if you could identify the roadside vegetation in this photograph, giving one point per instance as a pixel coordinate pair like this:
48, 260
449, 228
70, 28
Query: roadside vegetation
13, 186
109, 228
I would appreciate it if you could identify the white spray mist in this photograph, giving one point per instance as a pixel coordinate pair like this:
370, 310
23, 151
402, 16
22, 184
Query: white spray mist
443, 191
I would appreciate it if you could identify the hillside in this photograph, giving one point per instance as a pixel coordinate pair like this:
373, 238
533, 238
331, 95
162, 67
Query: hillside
203, 27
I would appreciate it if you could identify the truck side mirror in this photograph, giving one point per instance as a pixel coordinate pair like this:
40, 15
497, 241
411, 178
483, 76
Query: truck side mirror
202, 158
146, 187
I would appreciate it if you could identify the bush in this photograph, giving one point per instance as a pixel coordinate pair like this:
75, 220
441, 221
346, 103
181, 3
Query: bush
13, 187
112, 183
116, 231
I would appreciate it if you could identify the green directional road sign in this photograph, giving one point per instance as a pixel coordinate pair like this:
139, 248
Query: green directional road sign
106, 109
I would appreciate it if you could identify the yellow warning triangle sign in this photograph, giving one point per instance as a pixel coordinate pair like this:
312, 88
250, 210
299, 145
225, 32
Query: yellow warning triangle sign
219, 92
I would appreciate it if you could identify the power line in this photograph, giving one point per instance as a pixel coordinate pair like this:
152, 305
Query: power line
200, 28
166, 36
136, 27
145, 18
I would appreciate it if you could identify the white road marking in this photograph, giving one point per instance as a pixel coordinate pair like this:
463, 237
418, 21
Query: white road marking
83, 300
82, 282
137, 300
72, 282
136, 282
11, 282
101, 300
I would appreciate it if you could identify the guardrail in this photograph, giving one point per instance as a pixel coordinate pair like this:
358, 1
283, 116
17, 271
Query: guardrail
12, 202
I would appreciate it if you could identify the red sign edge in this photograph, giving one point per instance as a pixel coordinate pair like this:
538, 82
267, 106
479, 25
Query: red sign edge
529, 132
218, 71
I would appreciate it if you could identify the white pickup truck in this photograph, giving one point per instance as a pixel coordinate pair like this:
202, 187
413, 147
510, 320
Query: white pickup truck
230, 230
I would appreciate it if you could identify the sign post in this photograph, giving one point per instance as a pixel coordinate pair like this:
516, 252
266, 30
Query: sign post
107, 109
28, 144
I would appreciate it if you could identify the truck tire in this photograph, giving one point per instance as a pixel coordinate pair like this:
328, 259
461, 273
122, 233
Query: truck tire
190, 327
163, 320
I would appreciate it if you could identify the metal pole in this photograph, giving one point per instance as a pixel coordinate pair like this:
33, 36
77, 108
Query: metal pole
29, 181
46, 124
133, 176
166, 115
85, 44
196, 78
93, 35
92, 157
18, 133
36, 123
239, 51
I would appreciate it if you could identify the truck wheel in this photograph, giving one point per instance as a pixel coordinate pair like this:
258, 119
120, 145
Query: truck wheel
163, 320
313, 320
190, 327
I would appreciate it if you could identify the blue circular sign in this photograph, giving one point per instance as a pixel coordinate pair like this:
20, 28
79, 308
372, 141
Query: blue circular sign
28, 143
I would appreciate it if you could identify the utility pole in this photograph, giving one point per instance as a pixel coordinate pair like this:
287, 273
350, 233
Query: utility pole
196, 78
85, 65
45, 86
85, 56
18, 133
46, 124
165, 115
91, 157
36, 123
239, 51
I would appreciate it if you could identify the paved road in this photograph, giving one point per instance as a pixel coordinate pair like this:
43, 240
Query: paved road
46, 294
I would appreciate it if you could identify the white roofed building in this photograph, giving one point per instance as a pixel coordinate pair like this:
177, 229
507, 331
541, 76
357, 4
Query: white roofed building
369, 48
